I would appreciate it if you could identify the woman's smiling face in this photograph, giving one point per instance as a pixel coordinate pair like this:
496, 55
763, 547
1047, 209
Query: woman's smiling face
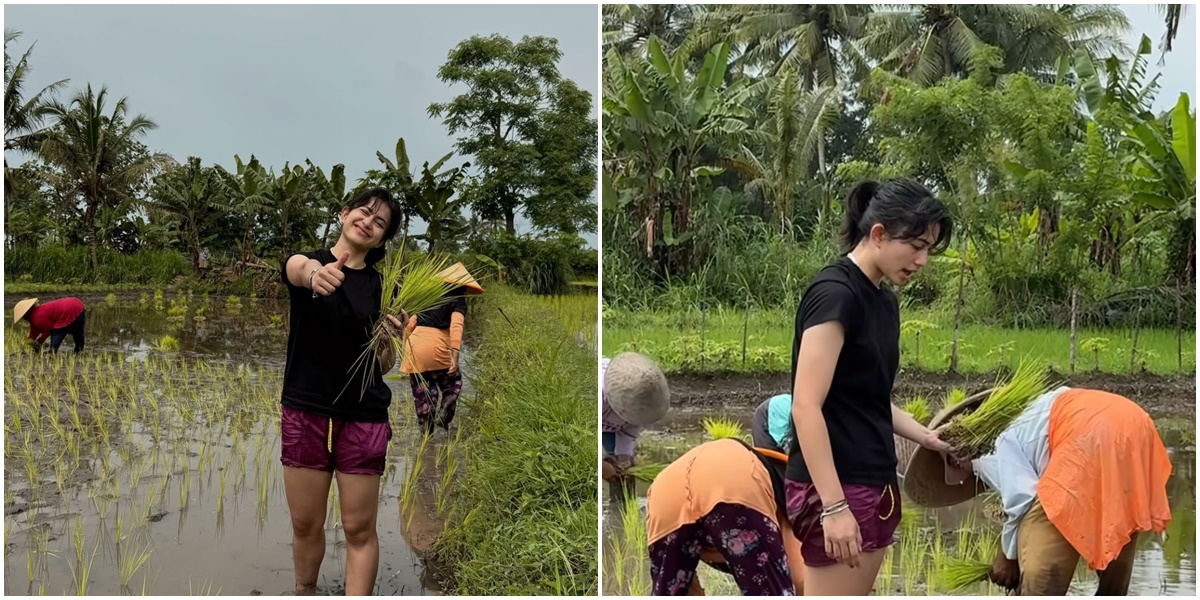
366, 225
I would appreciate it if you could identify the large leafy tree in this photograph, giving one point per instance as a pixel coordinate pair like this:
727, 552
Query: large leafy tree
514, 120
96, 152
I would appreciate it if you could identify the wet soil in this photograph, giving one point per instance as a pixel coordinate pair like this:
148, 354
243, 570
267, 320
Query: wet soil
1161, 396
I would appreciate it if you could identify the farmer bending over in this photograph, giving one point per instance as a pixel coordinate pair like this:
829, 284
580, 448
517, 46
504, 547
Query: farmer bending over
635, 395
771, 426
723, 503
1080, 473
54, 319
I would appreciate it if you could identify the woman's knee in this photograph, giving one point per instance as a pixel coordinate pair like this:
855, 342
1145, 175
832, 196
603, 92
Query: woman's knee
358, 529
308, 525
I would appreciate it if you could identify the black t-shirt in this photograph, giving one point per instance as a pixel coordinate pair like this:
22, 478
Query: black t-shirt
439, 316
327, 335
858, 408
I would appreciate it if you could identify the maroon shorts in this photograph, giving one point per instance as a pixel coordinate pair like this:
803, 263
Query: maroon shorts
349, 447
876, 508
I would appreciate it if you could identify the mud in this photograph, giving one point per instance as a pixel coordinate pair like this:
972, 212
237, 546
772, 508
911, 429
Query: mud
1162, 397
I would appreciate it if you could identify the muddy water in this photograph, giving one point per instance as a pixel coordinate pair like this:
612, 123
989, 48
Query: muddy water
1165, 565
194, 545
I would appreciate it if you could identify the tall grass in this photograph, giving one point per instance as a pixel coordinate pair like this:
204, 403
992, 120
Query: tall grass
524, 504
57, 264
760, 341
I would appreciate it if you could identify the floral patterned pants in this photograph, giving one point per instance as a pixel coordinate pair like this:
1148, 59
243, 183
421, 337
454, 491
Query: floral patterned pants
751, 543
426, 390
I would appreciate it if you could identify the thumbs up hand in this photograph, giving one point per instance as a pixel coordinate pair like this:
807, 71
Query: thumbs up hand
330, 277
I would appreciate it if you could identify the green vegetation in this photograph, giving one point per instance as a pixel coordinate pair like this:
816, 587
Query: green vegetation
760, 341
522, 511
92, 205
733, 133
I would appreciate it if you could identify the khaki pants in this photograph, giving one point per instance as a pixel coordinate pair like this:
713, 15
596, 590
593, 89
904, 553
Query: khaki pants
1048, 560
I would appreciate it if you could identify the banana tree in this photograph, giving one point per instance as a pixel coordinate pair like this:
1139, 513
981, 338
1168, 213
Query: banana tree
246, 187
659, 119
331, 192
431, 200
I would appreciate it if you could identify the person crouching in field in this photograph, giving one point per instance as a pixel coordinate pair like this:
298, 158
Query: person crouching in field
1080, 474
723, 503
335, 416
635, 396
54, 320
433, 341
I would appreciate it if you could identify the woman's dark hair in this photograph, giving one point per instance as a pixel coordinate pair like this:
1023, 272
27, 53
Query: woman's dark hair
905, 208
365, 198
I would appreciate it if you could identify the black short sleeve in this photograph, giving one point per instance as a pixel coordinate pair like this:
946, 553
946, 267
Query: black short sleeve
830, 301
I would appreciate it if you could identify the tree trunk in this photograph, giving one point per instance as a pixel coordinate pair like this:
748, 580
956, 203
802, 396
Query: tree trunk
1074, 339
90, 223
510, 221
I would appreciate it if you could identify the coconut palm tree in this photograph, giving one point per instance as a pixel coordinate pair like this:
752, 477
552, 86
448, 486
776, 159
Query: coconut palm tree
627, 27
190, 195
813, 40
927, 42
23, 118
95, 151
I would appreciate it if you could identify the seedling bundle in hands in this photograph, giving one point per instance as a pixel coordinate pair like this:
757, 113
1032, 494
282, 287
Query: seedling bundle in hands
411, 285
974, 434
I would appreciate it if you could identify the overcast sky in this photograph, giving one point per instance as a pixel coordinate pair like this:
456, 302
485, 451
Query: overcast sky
329, 83
334, 84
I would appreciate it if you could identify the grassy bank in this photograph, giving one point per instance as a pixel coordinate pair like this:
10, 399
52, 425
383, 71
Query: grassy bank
523, 512
760, 341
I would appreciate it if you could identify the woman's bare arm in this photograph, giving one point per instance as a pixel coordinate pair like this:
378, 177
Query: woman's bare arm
820, 347
298, 268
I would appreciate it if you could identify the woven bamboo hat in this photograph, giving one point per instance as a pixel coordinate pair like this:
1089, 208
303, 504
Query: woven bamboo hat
928, 480
457, 274
636, 389
23, 307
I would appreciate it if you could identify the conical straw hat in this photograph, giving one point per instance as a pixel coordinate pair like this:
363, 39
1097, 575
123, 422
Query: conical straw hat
22, 308
457, 274
925, 478
636, 389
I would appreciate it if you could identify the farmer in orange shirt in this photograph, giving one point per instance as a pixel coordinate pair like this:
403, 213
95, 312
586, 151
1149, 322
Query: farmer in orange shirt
1080, 472
722, 503
54, 320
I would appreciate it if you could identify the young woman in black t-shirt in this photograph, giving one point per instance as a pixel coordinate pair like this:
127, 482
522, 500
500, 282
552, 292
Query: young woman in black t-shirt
334, 414
842, 495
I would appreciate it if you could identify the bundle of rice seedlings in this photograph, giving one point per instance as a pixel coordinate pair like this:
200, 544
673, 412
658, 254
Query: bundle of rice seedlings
974, 434
919, 408
958, 574
956, 396
645, 473
720, 428
411, 286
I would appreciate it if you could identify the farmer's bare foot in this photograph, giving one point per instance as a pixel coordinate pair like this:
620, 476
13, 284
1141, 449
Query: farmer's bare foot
306, 589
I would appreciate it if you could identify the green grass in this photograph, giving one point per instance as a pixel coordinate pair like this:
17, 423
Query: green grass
729, 340
523, 511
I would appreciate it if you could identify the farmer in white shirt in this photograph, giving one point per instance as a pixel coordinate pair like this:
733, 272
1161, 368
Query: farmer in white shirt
1080, 473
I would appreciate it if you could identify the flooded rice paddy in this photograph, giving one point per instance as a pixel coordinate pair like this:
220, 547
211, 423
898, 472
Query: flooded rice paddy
149, 464
927, 538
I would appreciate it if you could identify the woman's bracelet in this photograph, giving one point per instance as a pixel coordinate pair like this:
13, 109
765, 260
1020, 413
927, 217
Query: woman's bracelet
834, 509
310, 284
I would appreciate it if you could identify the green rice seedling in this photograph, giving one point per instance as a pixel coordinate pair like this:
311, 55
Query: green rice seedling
168, 343
975, 433
411, 285
647, 472
110, 300
719, 428
143, 299
634, 528
131, 559
955, 397
960, 574
918, 407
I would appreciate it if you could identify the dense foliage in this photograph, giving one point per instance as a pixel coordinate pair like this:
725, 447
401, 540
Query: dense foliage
732, 134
